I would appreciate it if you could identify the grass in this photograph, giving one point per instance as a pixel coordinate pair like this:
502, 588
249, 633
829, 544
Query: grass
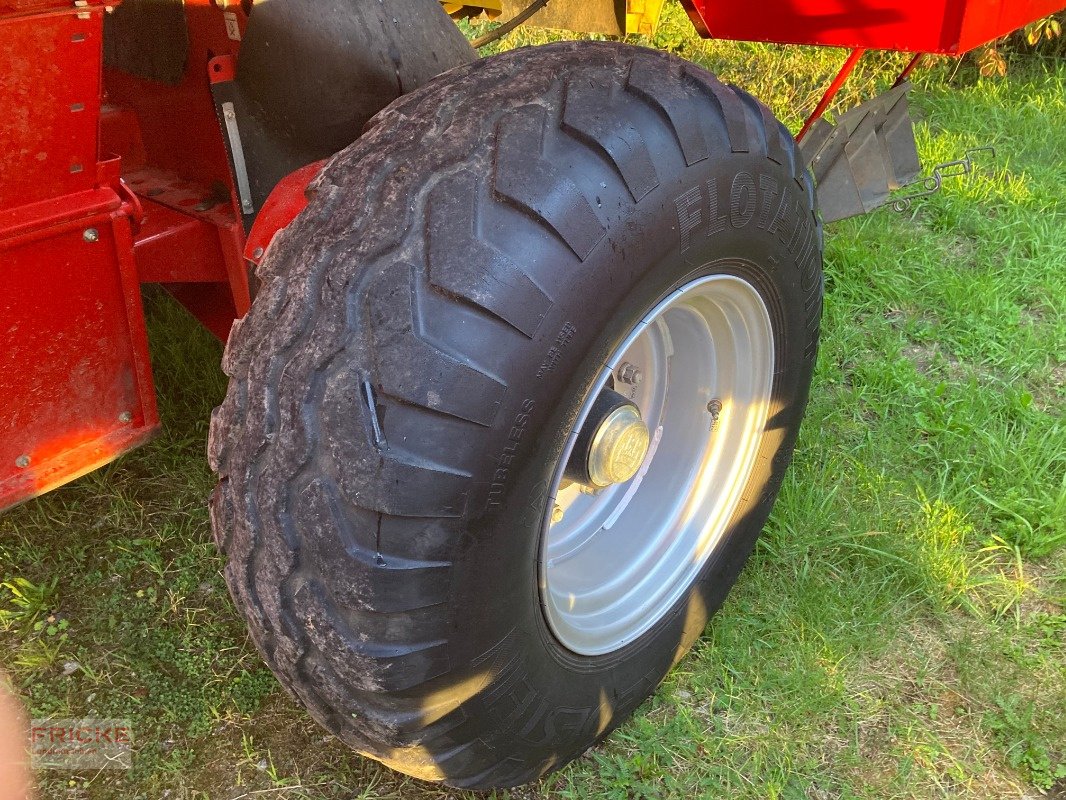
900, 631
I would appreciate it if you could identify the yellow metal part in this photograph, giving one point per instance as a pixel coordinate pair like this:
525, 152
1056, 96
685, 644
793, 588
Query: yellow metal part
618, 447
491, 7
583, 16
642, 16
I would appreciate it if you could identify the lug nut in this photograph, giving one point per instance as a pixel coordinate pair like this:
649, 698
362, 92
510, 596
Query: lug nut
630, 373
22, 461
91, 235
557, 513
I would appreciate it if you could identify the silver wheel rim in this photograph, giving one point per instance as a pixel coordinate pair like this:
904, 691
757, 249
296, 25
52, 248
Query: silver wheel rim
616, 561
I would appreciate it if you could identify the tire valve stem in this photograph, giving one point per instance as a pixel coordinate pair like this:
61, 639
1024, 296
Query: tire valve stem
714, 408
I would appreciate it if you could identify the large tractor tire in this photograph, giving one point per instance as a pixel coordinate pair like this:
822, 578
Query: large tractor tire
514, 402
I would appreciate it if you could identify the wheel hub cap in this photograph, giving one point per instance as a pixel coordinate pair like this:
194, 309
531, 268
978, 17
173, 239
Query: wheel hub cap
618, 447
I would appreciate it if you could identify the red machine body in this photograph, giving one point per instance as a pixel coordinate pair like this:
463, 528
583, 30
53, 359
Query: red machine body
74, 372
109, 180
951, 27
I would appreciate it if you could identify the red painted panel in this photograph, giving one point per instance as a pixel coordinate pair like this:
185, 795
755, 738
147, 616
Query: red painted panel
210, 303
73, 370
932, 26
49, 104
986, 20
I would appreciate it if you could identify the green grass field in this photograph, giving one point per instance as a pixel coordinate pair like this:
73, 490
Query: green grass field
900, 631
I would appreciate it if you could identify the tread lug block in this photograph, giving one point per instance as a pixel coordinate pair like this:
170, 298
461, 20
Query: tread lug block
366, 665
382, 479
221, 510
731, 112
534, 185
414, 370
463, 264
587, 114
672, 95
369, 580
775, 147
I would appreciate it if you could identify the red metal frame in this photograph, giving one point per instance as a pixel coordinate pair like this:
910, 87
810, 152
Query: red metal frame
951, 27
175, 159
907, 70
931, 26
74, 371
834, 88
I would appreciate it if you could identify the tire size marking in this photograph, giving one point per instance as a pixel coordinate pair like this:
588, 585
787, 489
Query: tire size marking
503, 462
714, 206
555, 352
